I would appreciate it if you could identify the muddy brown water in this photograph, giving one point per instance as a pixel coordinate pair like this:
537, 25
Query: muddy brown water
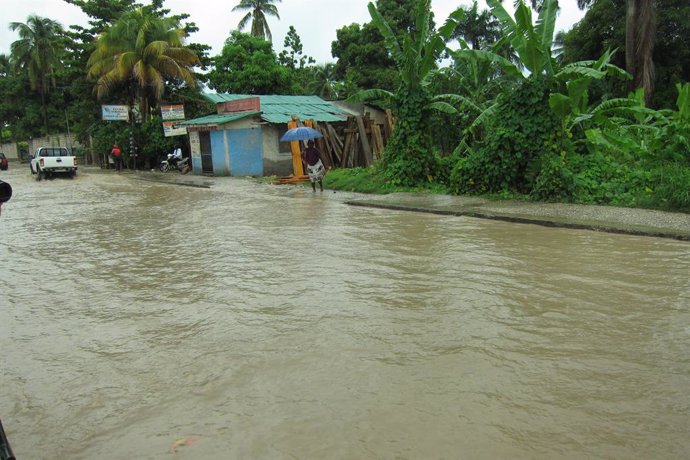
255, 321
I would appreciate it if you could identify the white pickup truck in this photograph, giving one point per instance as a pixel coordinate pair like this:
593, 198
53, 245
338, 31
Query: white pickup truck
49, 160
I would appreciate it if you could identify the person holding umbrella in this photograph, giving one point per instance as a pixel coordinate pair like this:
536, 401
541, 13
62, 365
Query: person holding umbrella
312, 157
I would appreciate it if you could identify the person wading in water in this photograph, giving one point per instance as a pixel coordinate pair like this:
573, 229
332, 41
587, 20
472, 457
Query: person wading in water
312, 157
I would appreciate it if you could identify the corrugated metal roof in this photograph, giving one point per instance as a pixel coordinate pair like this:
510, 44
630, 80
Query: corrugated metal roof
216, 120
280, 109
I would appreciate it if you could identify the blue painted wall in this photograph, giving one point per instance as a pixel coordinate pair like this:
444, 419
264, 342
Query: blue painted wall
246, 152
218, 154
196, 165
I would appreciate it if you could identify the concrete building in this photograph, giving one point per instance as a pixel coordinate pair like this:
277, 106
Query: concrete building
243, 137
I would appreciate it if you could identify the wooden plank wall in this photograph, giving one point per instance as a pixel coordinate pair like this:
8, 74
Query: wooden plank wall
357, 142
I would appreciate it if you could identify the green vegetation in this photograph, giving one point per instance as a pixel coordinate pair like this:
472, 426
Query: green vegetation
486, 103
373, 181
37, 53
248, 65
144, 51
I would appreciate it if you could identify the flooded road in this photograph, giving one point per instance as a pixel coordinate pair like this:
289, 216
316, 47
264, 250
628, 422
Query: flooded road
249, 321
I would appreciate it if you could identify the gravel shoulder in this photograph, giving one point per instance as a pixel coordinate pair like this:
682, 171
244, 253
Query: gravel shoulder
599, 218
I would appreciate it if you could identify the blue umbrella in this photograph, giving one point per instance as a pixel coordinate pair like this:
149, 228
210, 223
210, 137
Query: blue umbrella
300, 133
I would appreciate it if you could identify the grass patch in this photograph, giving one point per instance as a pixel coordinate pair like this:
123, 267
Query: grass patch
371, 180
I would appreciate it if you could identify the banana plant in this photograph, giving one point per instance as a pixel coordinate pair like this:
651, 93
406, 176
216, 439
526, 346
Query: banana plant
416, 57
573, 105
683, 103
532, 42
628, 127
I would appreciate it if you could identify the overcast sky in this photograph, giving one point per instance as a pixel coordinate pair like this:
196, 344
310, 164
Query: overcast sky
315, 20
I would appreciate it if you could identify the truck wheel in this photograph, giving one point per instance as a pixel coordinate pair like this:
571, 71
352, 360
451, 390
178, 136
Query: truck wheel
40, 175
72, 173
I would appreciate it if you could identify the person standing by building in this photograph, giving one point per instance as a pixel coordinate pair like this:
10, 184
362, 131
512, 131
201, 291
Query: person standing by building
116, 152
312, 157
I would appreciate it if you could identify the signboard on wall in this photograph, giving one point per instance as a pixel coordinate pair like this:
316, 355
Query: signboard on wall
171, 129
171, 114
115, 112
250, 104
195, 144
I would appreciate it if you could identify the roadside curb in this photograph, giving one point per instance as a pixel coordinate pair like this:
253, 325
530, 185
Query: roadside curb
477, 213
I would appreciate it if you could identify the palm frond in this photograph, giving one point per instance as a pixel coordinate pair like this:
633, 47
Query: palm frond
244, 21
271, 10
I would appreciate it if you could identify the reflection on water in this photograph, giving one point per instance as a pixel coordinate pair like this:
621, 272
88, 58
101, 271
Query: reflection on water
270, 322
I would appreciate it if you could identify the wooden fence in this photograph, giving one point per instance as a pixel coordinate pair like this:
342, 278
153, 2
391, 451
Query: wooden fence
357, 142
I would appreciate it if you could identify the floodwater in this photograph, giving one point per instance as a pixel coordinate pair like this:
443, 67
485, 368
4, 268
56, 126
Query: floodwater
249, 321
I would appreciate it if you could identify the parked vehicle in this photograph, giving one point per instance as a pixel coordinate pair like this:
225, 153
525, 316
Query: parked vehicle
170, 164
4, 164
47, 161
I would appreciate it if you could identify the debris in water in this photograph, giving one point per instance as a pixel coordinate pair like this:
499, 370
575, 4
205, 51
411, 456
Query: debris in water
184, 442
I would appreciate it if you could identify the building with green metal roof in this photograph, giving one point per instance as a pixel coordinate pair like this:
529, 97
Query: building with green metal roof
243, 137
281, 109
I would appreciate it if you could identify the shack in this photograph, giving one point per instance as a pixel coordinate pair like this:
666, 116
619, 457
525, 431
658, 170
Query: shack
243, 137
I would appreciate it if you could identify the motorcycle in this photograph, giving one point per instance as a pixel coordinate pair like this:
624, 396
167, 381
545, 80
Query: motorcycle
182, 164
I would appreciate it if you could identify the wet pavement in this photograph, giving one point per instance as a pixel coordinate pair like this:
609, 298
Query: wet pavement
632, 221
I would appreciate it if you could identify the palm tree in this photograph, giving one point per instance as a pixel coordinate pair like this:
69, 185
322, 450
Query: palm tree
141, 50
477, 29
324, 83
37, 51
258, 9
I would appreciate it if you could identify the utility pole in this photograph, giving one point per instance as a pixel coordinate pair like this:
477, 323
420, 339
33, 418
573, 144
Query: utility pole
132, 145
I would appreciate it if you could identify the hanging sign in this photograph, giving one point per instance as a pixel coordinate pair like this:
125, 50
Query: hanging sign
172, 112
115, 112
170, 128
171, 115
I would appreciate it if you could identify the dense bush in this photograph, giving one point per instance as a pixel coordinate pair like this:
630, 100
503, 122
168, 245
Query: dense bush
149, 140
523, 137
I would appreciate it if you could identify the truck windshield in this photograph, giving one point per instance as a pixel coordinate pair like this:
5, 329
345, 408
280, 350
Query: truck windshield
54, 152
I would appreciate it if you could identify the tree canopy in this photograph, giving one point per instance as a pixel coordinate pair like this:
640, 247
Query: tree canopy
144, 50
38, 51
248, 65
604, 27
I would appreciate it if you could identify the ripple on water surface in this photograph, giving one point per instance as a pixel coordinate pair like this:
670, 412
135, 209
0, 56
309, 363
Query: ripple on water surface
274, 323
